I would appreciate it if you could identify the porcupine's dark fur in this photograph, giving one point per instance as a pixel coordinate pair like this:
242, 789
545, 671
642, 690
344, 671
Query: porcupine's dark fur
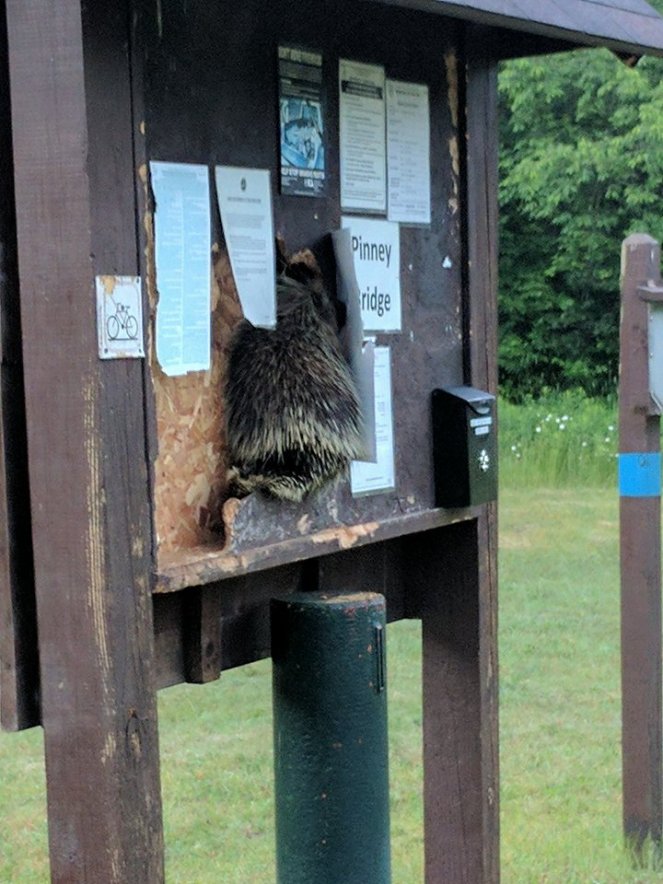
292, 413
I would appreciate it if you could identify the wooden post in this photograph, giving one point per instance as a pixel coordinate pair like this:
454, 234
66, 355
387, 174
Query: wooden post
481, 232
89, 490
640, 553
19, 676
443, 574
453, 572
201, 627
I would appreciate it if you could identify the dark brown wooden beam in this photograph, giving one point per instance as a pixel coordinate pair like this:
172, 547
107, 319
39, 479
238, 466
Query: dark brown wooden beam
640, 556
201, 629
243, 605
483, 259
90, 509
442, 569
19, 663
453, 573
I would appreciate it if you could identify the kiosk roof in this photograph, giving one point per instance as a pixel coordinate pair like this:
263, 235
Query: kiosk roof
631, 27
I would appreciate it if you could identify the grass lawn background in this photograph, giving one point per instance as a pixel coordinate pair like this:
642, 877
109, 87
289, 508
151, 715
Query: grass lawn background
559, 718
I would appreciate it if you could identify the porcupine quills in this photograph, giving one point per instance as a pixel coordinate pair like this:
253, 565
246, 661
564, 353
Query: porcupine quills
293, 418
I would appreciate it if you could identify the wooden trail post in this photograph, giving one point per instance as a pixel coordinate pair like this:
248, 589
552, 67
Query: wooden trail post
640, 546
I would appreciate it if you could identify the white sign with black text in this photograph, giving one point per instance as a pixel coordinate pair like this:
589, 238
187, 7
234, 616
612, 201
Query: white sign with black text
372, 478
363, 148
408, 153
182, 254
245, 205
376, 247
357, 351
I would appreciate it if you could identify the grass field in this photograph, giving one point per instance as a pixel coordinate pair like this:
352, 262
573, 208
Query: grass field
560, 718
561, 440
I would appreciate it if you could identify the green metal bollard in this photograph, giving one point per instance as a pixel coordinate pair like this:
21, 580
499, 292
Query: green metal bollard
330, 739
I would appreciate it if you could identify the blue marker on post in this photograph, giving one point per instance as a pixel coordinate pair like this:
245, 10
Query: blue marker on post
640, 474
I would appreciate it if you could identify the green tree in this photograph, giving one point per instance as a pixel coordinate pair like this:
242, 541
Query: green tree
581, 168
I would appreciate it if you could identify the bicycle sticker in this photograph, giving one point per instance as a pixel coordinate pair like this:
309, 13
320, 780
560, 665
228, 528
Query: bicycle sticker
119, 317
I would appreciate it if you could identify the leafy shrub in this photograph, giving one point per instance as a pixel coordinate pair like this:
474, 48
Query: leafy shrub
581, 168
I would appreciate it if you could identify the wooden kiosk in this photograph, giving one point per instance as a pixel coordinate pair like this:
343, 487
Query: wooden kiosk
117, 549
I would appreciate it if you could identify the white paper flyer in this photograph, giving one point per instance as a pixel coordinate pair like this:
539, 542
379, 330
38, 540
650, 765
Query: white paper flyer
183, 266
408, 153
371, 478
245, 205
363, 152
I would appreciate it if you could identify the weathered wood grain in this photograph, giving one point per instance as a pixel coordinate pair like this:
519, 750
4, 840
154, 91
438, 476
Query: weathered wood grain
19, 669
483, 251
453, 572
202, 565
90, 510
640, 563
201, 634
243, 603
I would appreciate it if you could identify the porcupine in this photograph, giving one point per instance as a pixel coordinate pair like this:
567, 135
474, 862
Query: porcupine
293, 418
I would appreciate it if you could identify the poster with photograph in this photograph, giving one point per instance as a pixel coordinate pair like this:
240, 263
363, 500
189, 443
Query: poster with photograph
301, 122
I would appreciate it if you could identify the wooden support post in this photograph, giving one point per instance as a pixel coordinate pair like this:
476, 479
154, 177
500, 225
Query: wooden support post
481, 231
201, 621
640, 554
452, 572
447, 580
19, 674
74, 182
